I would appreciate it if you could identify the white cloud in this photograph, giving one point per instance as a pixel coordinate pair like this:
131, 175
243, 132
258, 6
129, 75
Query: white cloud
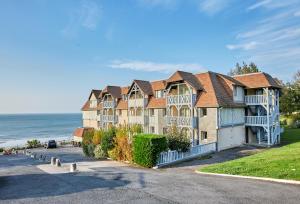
149, 66
211, 7
86, 16
245, 46
273, 42
259, 4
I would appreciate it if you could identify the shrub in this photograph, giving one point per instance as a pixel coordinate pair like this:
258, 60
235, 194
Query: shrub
112, 154
177, 140
33, 144
107, 142
97, 137
122, 150
1, 150
283, 122
290, 121
87, 143
146, 149
136, 129
99, 153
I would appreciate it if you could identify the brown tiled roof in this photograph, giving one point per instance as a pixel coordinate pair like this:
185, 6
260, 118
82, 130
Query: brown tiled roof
257, 80
217, 91
185, 77
86, 107
145, 86
156, 103
158, 85
114, 91
124, 90
78, 132
123, 105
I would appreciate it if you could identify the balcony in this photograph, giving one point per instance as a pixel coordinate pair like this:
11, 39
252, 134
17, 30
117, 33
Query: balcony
109, 104
181, 121
110, 118
181, 99
256, 120
98, 117
256, 99
140, 102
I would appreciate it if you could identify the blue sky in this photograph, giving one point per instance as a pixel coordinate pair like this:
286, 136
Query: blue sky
53, 52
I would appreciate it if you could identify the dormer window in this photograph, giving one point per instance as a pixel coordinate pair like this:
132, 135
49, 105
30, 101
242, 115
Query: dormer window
124, 97
160, 94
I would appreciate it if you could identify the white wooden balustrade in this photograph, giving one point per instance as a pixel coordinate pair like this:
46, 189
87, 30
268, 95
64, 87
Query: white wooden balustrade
108, 104
181, 121
169, 157
140, 102
181, 99
256, 120
255, 99
110, 118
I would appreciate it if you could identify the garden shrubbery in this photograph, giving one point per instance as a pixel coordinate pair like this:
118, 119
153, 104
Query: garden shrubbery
177, 140
147, 147
33, 144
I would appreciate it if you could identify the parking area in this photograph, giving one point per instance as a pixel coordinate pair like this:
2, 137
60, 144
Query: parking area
22, 180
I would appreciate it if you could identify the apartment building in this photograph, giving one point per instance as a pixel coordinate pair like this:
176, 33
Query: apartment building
208, 107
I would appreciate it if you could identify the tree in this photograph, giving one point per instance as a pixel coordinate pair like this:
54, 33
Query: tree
290, 98
244, 69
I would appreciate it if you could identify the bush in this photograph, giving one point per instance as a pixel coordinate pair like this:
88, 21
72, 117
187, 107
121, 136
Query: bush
33, 144
99, 153
177, 140
122, 150
107, 141
87, 143
290, 121
146, 149
97, 137
283, 122
1, 150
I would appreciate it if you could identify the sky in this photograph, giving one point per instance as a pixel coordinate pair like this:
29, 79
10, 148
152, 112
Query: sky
53, 52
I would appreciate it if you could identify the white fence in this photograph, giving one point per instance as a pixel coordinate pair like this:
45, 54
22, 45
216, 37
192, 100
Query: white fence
181, 121
256, 120
181, 99
174, 156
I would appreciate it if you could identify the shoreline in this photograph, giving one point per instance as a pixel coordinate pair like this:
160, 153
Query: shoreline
23, 142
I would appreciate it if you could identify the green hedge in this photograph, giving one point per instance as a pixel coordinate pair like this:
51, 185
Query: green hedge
146, 149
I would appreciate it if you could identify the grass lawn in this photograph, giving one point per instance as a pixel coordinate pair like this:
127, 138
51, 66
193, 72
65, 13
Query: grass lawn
279, 162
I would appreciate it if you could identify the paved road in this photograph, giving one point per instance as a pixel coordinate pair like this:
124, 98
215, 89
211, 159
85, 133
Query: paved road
21, 181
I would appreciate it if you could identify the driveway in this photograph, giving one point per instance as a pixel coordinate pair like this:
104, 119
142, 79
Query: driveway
22, 181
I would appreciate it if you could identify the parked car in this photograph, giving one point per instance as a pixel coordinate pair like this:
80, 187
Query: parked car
51, 144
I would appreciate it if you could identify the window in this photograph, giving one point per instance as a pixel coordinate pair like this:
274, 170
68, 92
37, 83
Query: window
152, 129
203, 135
203, 112
160, 94
124, 97
120, 112
151, 112
235, 91
164, 112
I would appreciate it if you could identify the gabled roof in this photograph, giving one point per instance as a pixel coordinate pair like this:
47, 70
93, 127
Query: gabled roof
156, 103
257, 80
114, 91
122, 105
158, 85
145, 86
184, 77
95, 92
217, 92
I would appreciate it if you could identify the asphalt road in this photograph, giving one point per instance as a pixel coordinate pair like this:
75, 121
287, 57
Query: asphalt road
22, 182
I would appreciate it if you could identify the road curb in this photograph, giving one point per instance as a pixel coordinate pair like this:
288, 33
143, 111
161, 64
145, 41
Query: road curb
252, 177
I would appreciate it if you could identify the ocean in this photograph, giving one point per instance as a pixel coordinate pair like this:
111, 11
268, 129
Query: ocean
16, 129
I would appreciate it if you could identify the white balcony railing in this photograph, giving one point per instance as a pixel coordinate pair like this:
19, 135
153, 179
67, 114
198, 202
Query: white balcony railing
256, 120
108, 104
181, 121
256, 99
110, 118
98, 117
181, 99
140, 102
